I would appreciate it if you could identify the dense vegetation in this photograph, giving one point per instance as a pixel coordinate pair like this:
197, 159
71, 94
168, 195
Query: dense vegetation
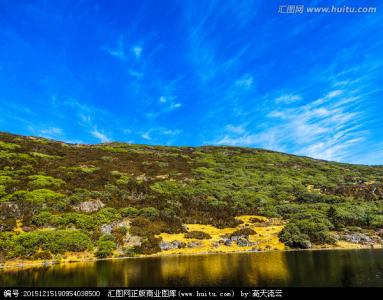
43, 184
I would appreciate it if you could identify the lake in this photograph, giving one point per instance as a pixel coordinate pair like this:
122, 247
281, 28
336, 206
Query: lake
263, 269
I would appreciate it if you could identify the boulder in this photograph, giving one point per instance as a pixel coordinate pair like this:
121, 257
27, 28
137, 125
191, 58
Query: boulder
193, 244
357, 237
89, 206
243, 242
171, 245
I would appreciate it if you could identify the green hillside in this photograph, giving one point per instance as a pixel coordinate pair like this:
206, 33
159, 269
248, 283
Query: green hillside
57, 197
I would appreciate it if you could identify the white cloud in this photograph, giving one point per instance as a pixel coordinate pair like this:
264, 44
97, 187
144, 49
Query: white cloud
146, 136
326, 129
175, 106
235, 129
288, 98
171, 132
135, 74
169, 102
118, 51
333, 94
101, 136
137, 51
51, 131
245, 82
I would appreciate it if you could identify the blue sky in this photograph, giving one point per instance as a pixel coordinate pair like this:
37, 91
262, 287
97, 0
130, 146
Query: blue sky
195, 72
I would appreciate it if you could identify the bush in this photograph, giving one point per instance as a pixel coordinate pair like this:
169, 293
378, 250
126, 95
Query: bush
200, 235
298, 232
292, 237
149, 246
57, 241
129, 211
149, 212
42, 255
43, 198
42, 181
2, 191
377, 221
42, 219
243, 231
105, 248
143, 227
80, 221
128, 251
119, 234
107, 215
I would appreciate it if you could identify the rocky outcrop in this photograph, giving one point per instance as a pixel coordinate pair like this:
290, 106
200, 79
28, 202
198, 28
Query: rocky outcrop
171, 245
194, 244
89, 206
240, 240
107, 228
362, 238
358, 238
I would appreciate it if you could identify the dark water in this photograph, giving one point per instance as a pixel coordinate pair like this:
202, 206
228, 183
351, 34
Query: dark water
300, 268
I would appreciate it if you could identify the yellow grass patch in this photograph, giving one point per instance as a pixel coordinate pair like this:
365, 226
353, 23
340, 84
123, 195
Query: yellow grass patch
19, 226
266, 237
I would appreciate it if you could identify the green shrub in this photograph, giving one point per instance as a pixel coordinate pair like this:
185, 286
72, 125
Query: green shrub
243, 231
292, 237
149, 246
105, 248
149, 212
43, 181
42, 219
80, 221
107, 215
42, 255
129, 211
9, 146
5, 180
297, 232
200, 235
2, 191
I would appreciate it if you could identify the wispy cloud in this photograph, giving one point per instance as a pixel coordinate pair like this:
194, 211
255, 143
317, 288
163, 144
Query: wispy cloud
137, 51
245, 82
101, 136
118, 51
169, 103
146, 136
288, 98
236, 129
323, 129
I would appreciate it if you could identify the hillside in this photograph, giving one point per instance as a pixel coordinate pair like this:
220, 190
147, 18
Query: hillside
119, 199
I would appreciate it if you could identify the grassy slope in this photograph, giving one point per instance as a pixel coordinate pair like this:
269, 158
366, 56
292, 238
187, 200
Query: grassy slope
158, 189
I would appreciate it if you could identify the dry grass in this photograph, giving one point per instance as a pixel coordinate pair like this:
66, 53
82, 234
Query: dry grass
266, 237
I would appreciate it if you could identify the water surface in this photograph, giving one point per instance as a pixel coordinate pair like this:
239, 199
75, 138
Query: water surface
267, 269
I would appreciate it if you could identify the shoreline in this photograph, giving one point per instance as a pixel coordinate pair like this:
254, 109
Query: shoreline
19, 265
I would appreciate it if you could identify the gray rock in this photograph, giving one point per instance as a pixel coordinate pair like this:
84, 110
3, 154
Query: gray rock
193, 244
89, 206
243, 242
357, 237
172, 245
106, 228
235, 238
